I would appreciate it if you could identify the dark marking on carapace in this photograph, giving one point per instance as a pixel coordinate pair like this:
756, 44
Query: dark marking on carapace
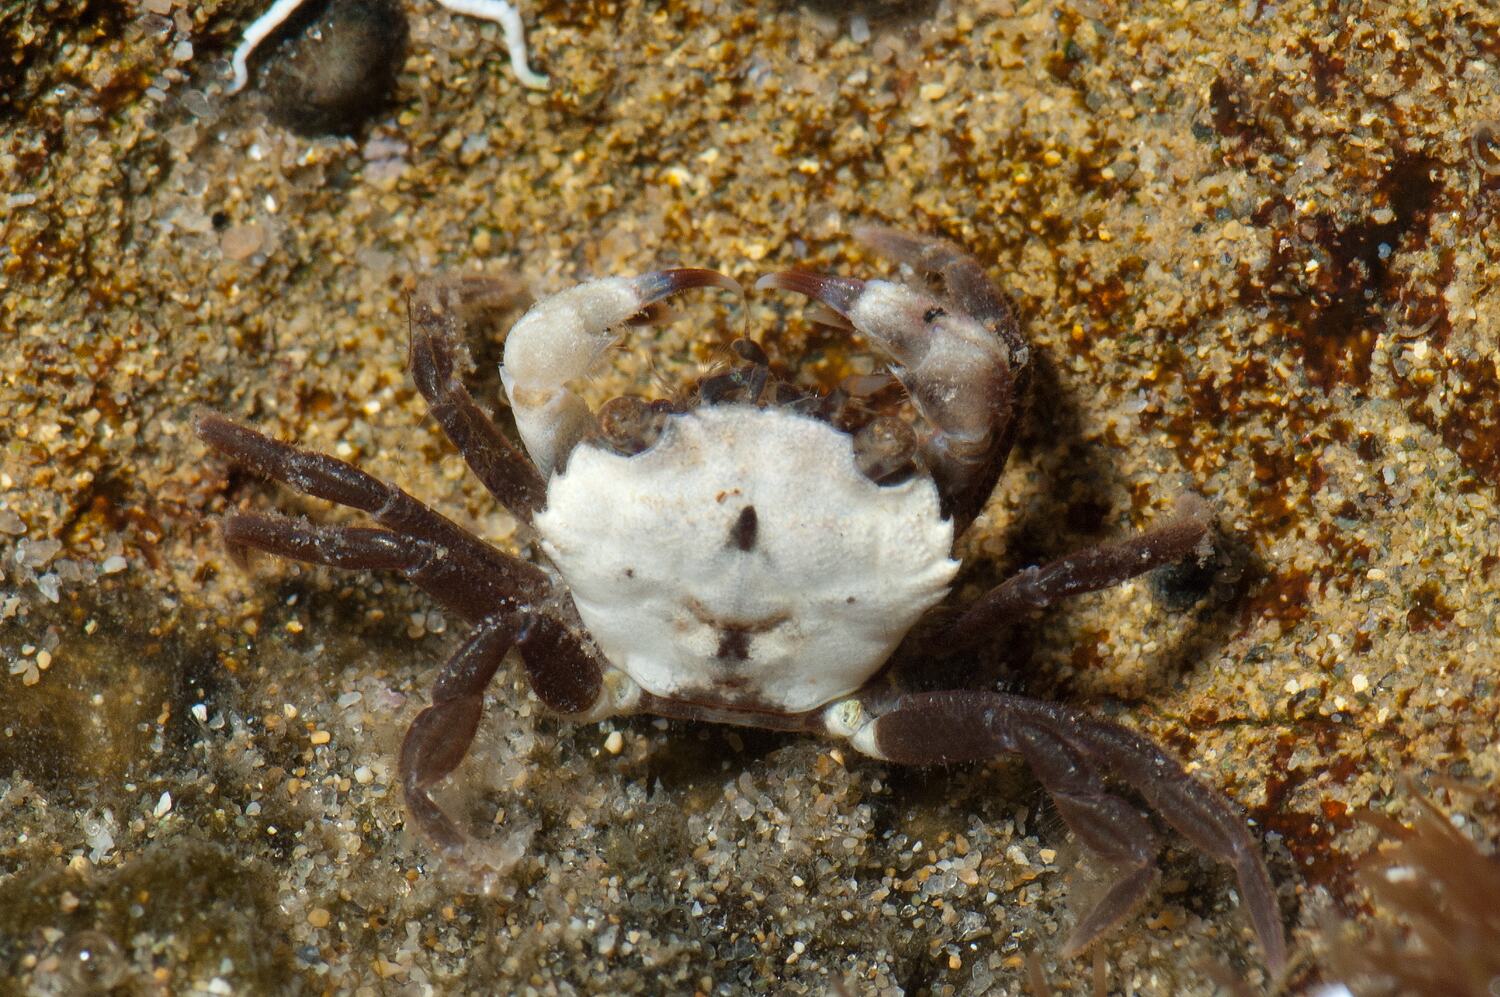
742, 533
734, 645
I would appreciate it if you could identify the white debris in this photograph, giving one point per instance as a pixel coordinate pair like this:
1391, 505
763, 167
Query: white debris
498, 11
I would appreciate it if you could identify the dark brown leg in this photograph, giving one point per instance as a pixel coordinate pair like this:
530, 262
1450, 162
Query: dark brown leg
328, 478
1087, 570
561, 670
451, 576
496, 462
439, 737
1071, 752
1106, 824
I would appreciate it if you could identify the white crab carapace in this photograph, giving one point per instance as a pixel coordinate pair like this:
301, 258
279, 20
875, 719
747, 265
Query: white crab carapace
744, 559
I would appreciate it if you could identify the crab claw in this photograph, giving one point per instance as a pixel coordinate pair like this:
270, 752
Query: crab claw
838, 293
955, 370
661, 284
559, 340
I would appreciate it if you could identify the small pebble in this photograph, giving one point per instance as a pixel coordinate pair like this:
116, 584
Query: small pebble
242, 241
318, 917
615, 743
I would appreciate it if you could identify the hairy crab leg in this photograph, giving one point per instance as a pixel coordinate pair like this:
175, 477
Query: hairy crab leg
956, 371
1071, 753
440, 736
329, 478
470, 587
560, 339
433, 361
1088, 570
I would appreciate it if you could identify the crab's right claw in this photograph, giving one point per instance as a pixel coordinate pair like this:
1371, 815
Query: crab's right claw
560, 339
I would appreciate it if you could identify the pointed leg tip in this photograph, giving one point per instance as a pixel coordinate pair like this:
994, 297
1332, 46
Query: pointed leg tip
875, 236
217, 431
1273, 950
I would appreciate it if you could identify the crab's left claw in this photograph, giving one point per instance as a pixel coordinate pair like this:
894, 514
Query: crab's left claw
956, 370
560, 339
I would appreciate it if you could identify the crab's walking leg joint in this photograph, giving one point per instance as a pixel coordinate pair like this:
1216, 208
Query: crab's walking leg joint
455, 578
433, 361
563, 673
561, 338
957, 372
1072, 753
439, 737
1088, 570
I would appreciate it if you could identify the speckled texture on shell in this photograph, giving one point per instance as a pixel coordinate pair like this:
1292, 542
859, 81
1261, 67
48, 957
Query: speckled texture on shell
1255, 245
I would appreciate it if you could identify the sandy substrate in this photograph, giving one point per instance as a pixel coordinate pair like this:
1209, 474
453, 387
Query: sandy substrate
1257, 248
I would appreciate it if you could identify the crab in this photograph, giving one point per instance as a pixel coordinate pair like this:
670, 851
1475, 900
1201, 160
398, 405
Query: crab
756, 554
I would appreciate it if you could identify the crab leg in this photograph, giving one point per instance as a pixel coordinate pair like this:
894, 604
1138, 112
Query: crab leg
561, 338
1089, 570
463, 584
329, 478
432, 358
439, 738
1071, 753
956, 371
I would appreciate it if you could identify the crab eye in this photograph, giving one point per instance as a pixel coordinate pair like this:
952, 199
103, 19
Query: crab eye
885, 451
629, 425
